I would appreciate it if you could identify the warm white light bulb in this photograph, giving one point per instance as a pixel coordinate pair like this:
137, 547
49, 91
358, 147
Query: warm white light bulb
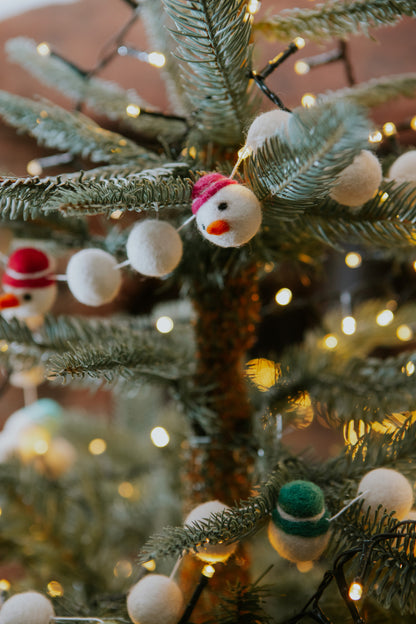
384, 318
308, 100
253, 6
299, 42
43, 49
353, 260
283, 296
356, 591
413, 123
301, 68
375, 136
97, 446
159, 437
164, 324
404, 333
157, 59
133, 110
34, 168
389, 128
349, 325
208, 571
330, 341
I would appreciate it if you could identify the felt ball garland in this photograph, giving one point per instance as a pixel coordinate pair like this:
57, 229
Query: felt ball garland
228, 214
388, 488
213, 553
93, 277
154, 248
358, 182
299, 528
155, 599
404, 168
265, 126
29, 607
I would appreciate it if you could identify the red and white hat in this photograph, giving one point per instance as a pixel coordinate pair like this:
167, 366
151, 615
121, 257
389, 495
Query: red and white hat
206, 187
28, 267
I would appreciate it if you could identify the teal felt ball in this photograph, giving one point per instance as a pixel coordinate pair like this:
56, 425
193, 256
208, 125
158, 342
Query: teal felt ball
299, 528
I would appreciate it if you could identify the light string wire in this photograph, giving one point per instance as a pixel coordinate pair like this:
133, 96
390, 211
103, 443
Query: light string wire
312, 608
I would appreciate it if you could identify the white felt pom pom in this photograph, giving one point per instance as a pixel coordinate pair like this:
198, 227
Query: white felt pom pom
388, 488
295, 547
227, 214
155, 599
154, 248
28, 608
358, 182
92, 277
215, 552
404, 168
266, 125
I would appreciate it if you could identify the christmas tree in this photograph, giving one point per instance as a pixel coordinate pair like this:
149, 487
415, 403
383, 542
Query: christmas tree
232, 267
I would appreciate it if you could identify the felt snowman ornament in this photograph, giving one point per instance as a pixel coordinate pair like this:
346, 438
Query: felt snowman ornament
388, 488
227, 213
29, 286
213, 553
299, 528
30, 607
155, 599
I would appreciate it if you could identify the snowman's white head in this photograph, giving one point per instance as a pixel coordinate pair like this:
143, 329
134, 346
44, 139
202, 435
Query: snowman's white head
29, 284
227, 213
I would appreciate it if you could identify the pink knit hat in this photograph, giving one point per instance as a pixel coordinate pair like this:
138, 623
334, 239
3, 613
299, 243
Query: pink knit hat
206, 187
28, 268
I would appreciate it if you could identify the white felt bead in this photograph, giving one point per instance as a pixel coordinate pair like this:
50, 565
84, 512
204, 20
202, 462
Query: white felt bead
265, 126
404, 168
215, 552
27, 608
154, 248
388, 488
93, 278
231, 217
358, 182
296, 548
155, 599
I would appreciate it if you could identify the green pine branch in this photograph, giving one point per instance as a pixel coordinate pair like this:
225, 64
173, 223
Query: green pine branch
213, 44
243, 604
94, 348
386, 222
53, 126
351, 389
375, 91
229, 526
335, 19
151, 189
157, 24
298, 167
103, 96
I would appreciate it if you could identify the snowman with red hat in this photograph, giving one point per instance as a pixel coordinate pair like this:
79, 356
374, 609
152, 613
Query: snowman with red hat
29, 285
227, 213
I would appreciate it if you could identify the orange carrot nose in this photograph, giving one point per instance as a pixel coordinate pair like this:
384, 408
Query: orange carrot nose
218, 227
8, 300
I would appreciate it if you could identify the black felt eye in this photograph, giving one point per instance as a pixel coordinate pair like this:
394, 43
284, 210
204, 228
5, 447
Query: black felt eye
222, 206
27, 297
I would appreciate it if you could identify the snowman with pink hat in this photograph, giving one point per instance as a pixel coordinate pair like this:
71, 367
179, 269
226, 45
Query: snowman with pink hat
29, 285
227, 213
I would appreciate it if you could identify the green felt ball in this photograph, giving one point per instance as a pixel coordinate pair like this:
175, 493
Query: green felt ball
301, 499
301, 510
